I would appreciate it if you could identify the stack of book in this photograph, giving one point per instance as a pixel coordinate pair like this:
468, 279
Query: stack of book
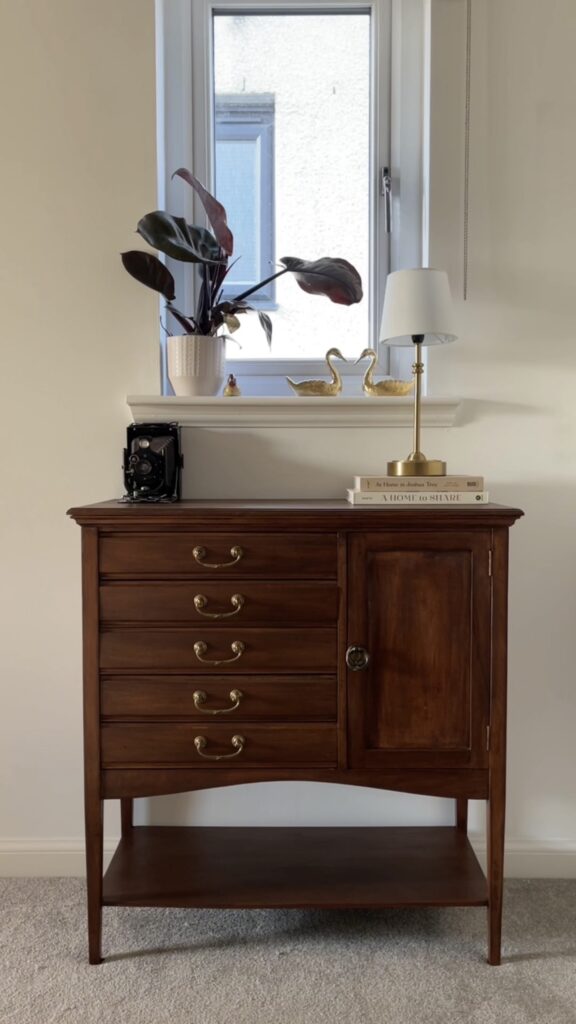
418, 490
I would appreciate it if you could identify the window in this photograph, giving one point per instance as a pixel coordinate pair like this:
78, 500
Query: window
244, 183
282, 108
315, 67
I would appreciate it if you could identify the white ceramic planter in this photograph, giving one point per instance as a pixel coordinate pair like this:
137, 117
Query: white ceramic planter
196, 364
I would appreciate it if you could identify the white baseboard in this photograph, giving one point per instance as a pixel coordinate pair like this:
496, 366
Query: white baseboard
533, 858
47, 858
42, 858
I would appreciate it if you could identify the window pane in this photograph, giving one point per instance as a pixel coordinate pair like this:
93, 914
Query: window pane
316, 69
237, 189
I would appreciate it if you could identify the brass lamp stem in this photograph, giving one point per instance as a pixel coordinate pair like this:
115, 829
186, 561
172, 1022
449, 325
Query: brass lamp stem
417, 370
417, 464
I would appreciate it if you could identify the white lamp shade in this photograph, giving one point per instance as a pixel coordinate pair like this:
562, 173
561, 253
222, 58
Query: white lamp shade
417, 302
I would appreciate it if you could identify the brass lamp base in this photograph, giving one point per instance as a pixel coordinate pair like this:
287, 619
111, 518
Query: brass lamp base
417, 465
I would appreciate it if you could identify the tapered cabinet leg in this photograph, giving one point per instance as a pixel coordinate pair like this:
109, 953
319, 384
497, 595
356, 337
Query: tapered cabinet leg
496, 811
462, 814
126, 814
94, 846
495, 864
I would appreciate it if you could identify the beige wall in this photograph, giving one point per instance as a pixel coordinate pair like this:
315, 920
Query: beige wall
516, 367
78, 169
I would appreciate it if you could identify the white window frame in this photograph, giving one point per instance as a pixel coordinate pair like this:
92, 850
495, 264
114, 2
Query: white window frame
184, 136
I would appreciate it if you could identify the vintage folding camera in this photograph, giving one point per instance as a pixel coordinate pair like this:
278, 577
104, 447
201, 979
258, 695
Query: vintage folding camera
152, 462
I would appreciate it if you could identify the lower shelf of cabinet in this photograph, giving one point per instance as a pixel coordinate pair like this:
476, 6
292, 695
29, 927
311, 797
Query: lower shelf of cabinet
294, 867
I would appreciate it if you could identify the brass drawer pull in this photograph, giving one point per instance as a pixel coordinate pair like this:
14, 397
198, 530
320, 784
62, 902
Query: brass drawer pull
199, 697
200, 554
200, 602
237, 648
200, 744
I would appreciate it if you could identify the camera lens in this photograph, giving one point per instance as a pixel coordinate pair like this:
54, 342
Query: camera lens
145, 467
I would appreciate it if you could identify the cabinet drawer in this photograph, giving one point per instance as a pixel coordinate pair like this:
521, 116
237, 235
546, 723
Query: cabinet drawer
232, 651
219, 699
204, 554
170, 744
247, 601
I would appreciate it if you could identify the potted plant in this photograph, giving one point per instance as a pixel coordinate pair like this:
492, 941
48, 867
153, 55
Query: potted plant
196, 357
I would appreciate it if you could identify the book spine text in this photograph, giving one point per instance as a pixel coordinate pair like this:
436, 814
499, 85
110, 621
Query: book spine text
356, 497
431, 483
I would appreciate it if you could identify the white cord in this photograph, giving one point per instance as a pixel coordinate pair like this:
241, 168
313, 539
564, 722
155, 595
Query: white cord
467, 145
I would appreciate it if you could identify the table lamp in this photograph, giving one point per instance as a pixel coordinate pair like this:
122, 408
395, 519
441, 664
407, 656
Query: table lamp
417, 311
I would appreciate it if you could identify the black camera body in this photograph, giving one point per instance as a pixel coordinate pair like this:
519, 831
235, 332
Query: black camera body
152, 462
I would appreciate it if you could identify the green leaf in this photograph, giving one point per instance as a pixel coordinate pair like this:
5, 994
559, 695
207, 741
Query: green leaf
148, 270
178, 239
232, 322
333, 277
266, 324
228, 309
215, 211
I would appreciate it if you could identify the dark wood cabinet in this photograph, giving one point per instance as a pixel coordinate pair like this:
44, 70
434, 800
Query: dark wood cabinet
420, 605
236, 642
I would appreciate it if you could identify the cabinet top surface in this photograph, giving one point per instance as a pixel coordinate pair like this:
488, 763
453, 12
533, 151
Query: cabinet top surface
331, 513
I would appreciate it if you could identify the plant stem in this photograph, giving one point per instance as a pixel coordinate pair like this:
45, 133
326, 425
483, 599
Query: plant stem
251, 291
203, 317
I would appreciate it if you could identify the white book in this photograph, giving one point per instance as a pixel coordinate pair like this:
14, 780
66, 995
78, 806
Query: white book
419, 483
356, 497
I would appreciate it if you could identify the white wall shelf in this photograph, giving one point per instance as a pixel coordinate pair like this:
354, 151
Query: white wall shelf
292, 412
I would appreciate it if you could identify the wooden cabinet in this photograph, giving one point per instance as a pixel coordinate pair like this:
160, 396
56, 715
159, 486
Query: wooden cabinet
239, 642
420, 605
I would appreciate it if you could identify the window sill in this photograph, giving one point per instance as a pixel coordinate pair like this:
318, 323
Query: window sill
292, 412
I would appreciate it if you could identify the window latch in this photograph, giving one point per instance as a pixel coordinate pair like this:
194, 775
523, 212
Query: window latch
386, 193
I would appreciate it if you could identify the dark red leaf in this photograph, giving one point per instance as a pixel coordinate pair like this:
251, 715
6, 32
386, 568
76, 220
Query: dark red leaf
214, 210
333, 277
148, 270
186, 322
178, 239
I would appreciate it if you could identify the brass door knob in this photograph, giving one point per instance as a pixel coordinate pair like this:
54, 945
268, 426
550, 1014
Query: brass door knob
357, 658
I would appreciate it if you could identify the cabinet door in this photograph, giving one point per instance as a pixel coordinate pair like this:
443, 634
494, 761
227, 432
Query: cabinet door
420, 603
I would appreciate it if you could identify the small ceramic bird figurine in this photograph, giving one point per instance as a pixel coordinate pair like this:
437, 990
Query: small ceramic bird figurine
381, 387
231, 390
321, 387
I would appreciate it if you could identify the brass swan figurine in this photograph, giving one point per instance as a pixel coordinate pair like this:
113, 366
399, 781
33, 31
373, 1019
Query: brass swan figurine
381, 387
321, 387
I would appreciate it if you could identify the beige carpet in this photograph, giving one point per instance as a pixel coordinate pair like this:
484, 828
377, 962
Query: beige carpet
285, 967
